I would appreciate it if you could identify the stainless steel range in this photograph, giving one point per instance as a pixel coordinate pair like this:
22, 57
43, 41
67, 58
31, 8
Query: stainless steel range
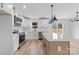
21, 39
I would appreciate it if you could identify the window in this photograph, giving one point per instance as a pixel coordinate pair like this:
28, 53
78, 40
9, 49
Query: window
34, 25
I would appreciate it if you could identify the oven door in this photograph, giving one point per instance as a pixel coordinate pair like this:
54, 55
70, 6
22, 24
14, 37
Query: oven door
21, 39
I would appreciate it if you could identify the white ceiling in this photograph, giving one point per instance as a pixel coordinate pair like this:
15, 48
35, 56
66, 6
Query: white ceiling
61, 10
3, 12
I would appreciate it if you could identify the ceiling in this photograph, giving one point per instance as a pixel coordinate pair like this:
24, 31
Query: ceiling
3, 12
61, 10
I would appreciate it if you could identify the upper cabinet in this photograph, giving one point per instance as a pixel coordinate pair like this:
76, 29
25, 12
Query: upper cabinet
17, 21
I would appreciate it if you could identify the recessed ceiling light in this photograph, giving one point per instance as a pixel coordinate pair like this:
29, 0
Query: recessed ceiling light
24, 6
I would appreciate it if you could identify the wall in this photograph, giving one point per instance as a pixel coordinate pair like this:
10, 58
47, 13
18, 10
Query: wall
6, 44
75, 32
71, 30
43, 26
67, 29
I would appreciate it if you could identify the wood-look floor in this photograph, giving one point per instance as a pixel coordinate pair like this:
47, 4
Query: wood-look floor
32, 47
74, 49
39, 47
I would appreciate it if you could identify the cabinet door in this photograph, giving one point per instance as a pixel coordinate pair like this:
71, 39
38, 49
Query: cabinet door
15, 41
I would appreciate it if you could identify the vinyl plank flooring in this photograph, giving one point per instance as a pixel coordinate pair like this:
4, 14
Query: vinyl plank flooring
39, 47
32, 47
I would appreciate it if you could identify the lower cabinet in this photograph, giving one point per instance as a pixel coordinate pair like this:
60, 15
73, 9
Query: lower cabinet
15, 42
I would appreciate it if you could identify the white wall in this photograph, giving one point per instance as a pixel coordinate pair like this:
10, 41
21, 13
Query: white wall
75, 30
43, 26
6, 43
71, 31
68, 29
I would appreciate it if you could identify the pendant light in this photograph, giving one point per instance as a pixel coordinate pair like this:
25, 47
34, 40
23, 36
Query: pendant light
51, 14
